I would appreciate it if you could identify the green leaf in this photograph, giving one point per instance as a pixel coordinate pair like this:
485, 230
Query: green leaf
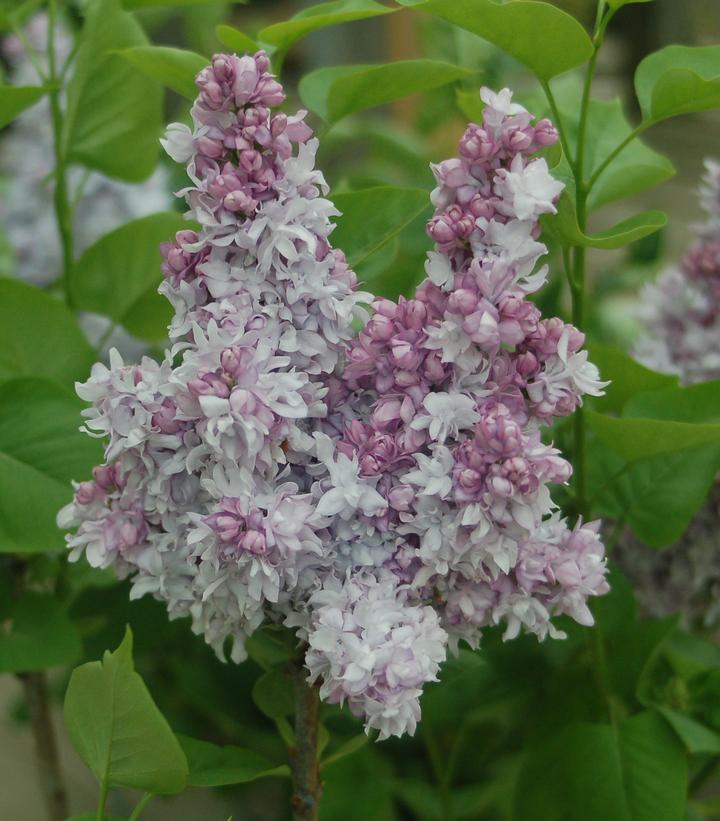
658, 496
38, 635
338, 91
617, 4
635, 438
634, 170
40, 336
283, 35
540, 36
41, 450
235, 40
145, 4
173, 67
119, 275
694, 403
15, 99
678, 80
114, 113
215, 766
352, 745
627, 378
564, 227
118, 731
372, 217
273, 693
590, 772
697, 738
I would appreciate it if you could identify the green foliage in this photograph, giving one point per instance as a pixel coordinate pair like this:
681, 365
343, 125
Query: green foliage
372, 217
617, 4
637, 772
172, 67
336, 92
118, 731
38, 635
143, 4
564, 228
15, 99
114, 113
235, 40
273, 693
119, 275
678, 80
41, 451
211, 765
40, 336
697, 738
544, 38
283, 35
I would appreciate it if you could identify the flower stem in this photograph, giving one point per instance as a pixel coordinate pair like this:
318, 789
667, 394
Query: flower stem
304, 761
61, 200
51, 782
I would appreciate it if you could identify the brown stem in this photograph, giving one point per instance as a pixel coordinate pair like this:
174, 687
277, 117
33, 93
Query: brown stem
48, 763
304, 755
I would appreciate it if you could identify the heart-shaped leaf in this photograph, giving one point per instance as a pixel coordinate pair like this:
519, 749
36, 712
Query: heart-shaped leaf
218, 766
15, 99
173, 67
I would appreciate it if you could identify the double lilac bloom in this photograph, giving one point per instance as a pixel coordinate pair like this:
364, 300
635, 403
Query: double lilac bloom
385, 494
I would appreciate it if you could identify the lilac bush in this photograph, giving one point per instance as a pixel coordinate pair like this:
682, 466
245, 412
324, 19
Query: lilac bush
385, 494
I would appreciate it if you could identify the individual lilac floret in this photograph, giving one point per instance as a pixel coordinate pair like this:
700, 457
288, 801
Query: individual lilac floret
680, 312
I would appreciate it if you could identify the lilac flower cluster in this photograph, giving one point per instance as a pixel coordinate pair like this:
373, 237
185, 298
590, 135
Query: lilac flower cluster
680, 312
383, 494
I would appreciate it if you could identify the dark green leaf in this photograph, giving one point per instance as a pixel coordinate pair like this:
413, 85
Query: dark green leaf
214, 766
335, 92
38, 635
627, 378
39, 336
372, 217
347, 777
173, 67
15, 99
117, 729
694, 403
590, 772
616, 4
235, 40
273, 693
678, 80
119, 275
144, 4
697, 738
544, 38
114, 113
41, 450
352, 745
283, 35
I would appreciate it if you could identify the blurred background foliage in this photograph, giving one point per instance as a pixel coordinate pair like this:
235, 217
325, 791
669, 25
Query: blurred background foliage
495, 722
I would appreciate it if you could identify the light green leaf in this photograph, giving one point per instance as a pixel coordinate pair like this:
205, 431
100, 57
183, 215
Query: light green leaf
145, 4
697, 738
593, 773
617, 4
564, 227
114, 113
41, 450
635, 438
235, 40
173, 67
119, 275
38, 635
40, 336
627, 377
15, 99
273, 693
283, 35
542, 37
215, 766
678, 80
338, 91
372, 217
117, 729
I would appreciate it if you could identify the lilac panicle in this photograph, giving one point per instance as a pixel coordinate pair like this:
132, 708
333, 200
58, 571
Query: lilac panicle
385, 494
